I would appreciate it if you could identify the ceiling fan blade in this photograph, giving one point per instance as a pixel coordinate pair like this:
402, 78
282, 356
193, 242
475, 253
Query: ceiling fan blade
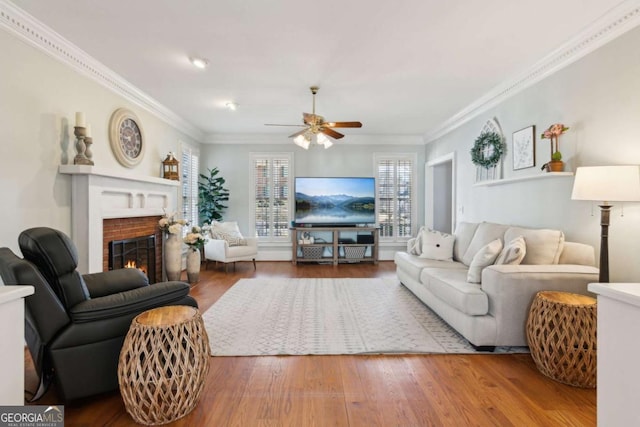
343, 124
330, 132
302, 132
274, 124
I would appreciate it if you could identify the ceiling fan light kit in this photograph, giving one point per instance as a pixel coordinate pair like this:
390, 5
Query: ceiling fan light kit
314, 124
201, 63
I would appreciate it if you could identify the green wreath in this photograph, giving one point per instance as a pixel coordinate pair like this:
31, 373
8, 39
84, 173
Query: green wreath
490, 140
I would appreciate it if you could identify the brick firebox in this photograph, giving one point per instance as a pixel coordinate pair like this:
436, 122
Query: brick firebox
128, 228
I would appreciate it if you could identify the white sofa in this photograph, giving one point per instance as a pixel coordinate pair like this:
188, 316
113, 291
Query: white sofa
494, 312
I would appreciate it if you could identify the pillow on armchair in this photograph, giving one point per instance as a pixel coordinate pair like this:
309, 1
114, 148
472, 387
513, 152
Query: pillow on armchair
228, 231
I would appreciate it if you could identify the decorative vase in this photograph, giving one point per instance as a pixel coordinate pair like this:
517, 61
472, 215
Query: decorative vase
556, 166
193, 265
173, 256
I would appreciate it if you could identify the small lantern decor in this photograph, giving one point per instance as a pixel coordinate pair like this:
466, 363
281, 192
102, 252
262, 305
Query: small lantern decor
170, 167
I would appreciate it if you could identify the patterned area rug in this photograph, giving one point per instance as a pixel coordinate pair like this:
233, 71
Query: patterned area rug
274, 316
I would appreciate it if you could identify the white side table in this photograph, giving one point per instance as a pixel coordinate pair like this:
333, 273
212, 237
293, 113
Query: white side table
618, 350
12, 339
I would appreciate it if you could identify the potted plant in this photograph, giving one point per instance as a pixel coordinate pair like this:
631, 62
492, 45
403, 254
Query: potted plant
553, 133
556, 164
212, 195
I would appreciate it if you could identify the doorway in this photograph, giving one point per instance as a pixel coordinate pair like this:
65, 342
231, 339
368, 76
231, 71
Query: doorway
440, 200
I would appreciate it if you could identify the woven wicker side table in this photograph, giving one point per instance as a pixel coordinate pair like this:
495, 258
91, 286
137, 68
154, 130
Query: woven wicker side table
561, 331
163, 364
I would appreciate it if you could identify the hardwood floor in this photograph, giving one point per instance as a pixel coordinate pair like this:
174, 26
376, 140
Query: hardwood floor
390, 390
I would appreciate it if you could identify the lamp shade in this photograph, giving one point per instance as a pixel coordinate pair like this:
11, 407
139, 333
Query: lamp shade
607, 184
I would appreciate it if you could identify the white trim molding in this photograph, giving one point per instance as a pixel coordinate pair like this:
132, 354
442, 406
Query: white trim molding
27, 28
613, 24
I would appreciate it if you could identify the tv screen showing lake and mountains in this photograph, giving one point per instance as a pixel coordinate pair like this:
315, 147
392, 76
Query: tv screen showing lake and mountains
335, 201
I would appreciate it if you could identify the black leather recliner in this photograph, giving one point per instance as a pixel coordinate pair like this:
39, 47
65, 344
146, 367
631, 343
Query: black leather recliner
75, 325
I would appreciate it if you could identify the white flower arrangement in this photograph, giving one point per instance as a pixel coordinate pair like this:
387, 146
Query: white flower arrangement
171, 224
195, 240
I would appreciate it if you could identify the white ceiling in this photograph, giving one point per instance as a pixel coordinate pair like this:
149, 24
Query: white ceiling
401, 67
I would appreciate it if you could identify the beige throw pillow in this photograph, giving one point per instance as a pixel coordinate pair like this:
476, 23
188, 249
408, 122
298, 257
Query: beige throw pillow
484, 257
437, 245
228, 231
414, 246
513, 253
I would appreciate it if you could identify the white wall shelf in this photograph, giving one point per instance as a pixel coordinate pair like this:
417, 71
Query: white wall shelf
547, 175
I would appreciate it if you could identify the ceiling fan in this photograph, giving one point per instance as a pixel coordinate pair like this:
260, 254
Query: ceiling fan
314, 124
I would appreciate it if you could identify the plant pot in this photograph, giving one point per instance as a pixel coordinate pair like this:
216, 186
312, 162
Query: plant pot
193, 265
555, 166
173, 256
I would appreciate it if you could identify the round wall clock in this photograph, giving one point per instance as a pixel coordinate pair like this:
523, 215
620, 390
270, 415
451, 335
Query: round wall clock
126, 137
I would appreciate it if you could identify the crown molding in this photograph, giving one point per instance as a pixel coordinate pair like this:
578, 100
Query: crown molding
273, 139
27, 28
611, 25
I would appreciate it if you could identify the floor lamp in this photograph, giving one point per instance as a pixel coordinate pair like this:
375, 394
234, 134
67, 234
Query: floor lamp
605, 184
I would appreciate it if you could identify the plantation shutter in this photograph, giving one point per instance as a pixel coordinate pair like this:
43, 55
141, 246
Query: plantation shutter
272, 186
190, 165
395, 181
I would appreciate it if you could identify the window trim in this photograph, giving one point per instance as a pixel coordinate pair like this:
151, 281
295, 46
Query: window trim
253, 156
193, 151
413, 158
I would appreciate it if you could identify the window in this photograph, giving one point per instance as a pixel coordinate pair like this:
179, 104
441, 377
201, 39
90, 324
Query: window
271, 202
189, 182
395, 194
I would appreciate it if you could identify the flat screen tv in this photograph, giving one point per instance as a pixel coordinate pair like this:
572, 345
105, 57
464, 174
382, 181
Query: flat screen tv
334, 202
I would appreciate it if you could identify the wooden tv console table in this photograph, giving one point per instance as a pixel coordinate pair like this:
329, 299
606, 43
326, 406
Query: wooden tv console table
334, 245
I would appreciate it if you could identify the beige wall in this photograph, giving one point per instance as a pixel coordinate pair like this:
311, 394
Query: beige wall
599, 98
38, 100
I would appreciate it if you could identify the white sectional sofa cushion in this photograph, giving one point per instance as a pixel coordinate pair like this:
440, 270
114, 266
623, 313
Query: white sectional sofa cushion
543, 246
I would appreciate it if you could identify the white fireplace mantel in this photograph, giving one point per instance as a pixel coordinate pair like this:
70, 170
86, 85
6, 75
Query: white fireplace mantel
98, 193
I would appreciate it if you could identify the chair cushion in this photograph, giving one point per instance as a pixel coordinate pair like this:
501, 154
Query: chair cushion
55, 255
238, 251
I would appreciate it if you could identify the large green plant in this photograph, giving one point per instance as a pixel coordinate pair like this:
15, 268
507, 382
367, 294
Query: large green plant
212, 195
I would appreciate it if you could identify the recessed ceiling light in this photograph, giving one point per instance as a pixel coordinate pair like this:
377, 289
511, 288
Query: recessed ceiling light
233, 106
199, 62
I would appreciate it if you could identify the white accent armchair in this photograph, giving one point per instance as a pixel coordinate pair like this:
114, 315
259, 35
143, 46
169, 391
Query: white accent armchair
219, 250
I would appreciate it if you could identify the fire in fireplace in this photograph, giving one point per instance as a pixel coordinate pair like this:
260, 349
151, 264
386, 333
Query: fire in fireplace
139, 252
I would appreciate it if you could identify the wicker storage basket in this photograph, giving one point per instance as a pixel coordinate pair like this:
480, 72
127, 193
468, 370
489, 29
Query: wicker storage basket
561, 330
354, 252
312, 252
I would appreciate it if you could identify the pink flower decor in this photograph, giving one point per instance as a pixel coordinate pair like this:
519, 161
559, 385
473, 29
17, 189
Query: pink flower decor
554, 130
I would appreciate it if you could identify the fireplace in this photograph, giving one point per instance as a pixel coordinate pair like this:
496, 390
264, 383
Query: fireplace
139, 252
124, 237
100, 195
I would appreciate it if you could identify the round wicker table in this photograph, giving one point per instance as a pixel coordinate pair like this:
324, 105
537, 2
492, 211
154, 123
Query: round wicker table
163, 364
561, 331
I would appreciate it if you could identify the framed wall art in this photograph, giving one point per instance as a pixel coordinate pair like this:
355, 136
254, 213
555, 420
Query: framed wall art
524, 148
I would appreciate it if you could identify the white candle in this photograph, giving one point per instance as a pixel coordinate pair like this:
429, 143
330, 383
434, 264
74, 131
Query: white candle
88, 131
80, 119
